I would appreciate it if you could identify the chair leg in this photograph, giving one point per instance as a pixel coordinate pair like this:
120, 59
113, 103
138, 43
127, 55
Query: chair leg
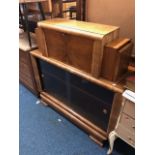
112, 138
41, 10
21, 18
25, 10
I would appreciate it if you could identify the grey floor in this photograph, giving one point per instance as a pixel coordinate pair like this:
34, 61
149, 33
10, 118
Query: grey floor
43, 131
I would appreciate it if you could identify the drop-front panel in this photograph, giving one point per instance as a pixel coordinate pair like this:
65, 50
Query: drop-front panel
79, 44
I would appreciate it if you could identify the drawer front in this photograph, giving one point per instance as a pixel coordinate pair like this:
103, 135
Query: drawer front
127, 136
25, 69
129, 108
24, 57
26, 80
128, 123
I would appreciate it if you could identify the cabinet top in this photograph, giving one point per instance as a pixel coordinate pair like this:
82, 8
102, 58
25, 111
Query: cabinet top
73, 26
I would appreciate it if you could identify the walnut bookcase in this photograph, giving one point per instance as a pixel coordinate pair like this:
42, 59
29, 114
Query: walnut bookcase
67, 67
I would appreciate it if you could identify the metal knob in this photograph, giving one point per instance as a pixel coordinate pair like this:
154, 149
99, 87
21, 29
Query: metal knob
105, 111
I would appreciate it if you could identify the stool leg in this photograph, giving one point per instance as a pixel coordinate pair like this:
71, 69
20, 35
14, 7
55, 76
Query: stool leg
70, 14
26, 22
112, 138
21, 18
41, 10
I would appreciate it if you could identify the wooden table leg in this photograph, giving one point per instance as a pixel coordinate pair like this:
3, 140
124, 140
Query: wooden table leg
112, 138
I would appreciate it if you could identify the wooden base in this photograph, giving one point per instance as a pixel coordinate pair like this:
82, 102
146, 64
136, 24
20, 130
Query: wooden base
89, 127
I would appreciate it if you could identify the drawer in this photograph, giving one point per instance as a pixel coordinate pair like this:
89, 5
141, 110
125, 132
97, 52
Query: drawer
129, 108
24, 68
26, 80
124, 134
128, 123
24, 56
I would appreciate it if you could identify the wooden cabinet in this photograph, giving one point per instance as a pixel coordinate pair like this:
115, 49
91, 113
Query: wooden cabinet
26, 75
68, 67
90, 103
79, 44
84, 97
125, 127
93, 48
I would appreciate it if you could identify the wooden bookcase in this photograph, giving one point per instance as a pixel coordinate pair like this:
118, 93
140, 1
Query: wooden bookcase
68, 67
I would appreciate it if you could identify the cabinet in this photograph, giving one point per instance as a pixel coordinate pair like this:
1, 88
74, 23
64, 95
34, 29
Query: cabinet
90, 103
26, 75
76, 43
125, 127
67, 67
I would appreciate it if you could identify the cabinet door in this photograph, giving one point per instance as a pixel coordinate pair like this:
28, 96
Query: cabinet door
85, 98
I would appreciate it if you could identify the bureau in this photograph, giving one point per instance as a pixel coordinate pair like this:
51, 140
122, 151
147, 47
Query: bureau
125, 127
26, 75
